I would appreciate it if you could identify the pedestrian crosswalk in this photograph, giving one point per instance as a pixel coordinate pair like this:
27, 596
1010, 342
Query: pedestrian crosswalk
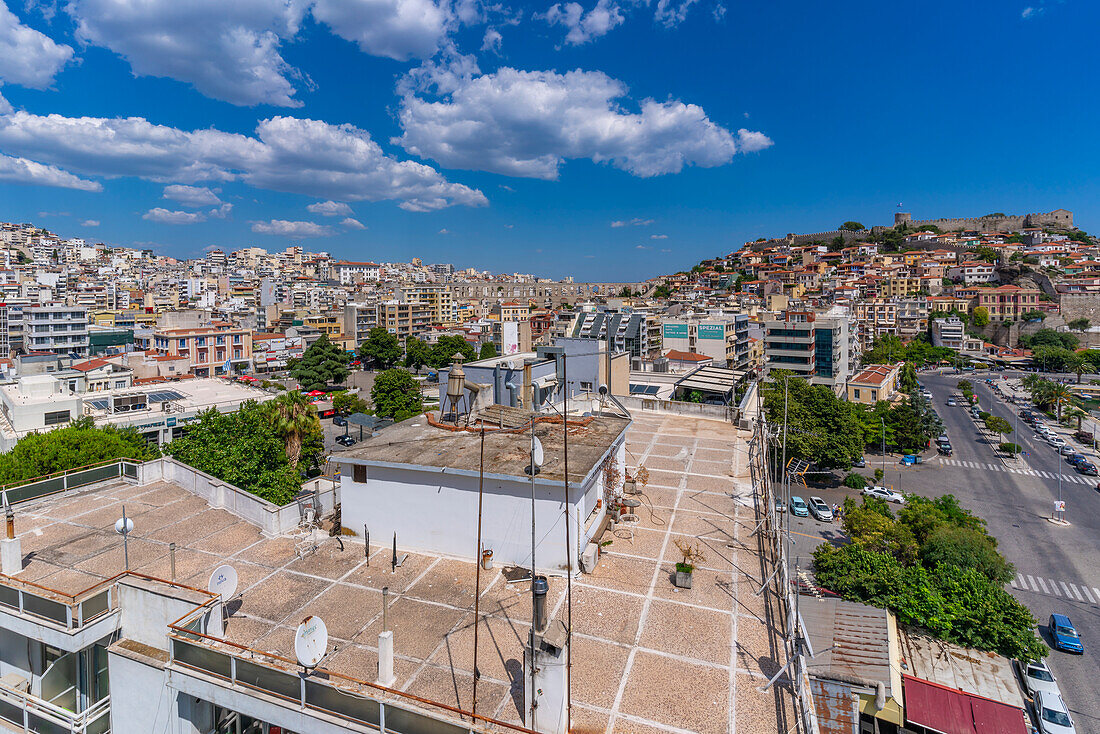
1023, 471
1052, 587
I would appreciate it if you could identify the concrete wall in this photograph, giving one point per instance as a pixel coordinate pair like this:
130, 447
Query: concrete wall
148, 607
436, 512
143, 703
17, 653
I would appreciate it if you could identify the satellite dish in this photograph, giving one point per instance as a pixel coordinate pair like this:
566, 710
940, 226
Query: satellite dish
310, 641
223, 582
603, 390
123, 529
537, 454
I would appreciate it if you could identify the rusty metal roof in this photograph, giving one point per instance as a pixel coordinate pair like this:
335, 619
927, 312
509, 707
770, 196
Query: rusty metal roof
849, 640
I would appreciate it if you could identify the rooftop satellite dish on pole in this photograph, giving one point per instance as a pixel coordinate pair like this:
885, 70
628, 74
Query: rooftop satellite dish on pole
124, 526
223, 582
537, 457
310, 642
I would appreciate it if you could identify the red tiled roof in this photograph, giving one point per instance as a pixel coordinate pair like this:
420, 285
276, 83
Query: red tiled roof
678, 356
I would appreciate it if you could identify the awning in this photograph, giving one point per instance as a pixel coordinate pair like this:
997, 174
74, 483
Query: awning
950, 711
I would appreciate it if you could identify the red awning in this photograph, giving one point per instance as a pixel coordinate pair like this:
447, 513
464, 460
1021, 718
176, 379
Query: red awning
314, 393
947, 710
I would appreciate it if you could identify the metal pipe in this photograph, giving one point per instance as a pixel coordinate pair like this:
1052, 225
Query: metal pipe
477, 560
534, 597
568, 565
172, 560
385, 608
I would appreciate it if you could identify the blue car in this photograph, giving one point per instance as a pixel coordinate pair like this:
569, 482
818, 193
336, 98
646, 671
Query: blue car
799, 508
1064, 634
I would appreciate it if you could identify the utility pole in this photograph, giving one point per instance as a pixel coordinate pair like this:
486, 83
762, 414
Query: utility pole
883, 450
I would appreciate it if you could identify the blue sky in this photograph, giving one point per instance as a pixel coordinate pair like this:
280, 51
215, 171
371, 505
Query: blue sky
608, 139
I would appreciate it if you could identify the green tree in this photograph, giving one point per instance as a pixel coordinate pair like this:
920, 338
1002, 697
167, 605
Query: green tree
1081, 324
987, 253
821, 427
346, 403
381, 348
488, 351
979, 317
855, 481
662, 291
396, 395
243, 449
444, 350
851, 226
78, 444
1077, 363
294, 418
323, 364
1010, 448
1049, 338
908, 378
998, 425
1033, 315
967, 548
417, 353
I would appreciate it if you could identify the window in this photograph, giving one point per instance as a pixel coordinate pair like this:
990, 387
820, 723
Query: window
119, 384
59, 416
586, 385
359, 473
874, 395
855, 393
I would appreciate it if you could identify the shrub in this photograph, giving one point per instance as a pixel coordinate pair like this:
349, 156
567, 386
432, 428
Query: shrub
855, 481
1010, 448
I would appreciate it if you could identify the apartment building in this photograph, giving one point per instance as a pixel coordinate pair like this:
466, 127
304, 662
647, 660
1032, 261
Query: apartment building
1008, 302
633, 332
55, 327
404, 319
436, 297
346, 272
948, 332
972, 272
217, 349
813, 346
509, 311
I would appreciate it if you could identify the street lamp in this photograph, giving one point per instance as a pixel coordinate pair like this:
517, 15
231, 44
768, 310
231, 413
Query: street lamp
883, 448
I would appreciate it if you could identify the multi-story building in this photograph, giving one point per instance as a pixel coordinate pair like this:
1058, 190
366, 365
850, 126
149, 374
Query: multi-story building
631, 332
346, 272
55, 327
217, 349
1008, 302
404, 319
948, 332
509, 311
811, 345
436, 297
972, 272
724, 339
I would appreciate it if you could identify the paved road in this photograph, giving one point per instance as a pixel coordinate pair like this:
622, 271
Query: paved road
1058, 567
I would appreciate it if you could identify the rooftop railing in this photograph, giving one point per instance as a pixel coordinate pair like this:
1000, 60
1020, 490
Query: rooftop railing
32, 714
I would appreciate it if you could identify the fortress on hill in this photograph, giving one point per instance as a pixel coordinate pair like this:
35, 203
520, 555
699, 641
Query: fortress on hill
1057, 219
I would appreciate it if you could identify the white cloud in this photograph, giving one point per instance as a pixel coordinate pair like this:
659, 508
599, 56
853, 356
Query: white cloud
671, 13
583, 27
23, 171
164, 216
228, 51
288, 154
5, 106
221, 212
330, 209
641, 247
527, 123
396, 29
658, 237
90, 223
635, 222
191, 195
291, 229
491, 40
351, 223
1032, 11
750, 141
27, 57
444, 231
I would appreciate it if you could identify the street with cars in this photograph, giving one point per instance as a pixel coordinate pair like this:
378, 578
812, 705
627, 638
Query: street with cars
1057, 563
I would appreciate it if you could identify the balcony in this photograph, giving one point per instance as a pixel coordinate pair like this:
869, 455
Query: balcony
33, 714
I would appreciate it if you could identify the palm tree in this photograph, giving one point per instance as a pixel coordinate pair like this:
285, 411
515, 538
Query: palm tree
1078, 363
295, 418
1060, 395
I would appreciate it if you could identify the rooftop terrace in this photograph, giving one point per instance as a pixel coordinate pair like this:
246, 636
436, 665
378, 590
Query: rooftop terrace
646, 656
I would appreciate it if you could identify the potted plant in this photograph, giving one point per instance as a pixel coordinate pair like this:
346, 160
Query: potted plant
691, 556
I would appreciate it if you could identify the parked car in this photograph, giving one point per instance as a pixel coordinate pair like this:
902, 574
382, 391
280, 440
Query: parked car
1065, 449
1052, 714
820, 510
780, 505
1037, 677
339, 420
910, 459
926, 395
1064, 634
345, 440
951, 403
944, 449
1087, 468
1056, 441
799, 508
884, 493
860, 462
